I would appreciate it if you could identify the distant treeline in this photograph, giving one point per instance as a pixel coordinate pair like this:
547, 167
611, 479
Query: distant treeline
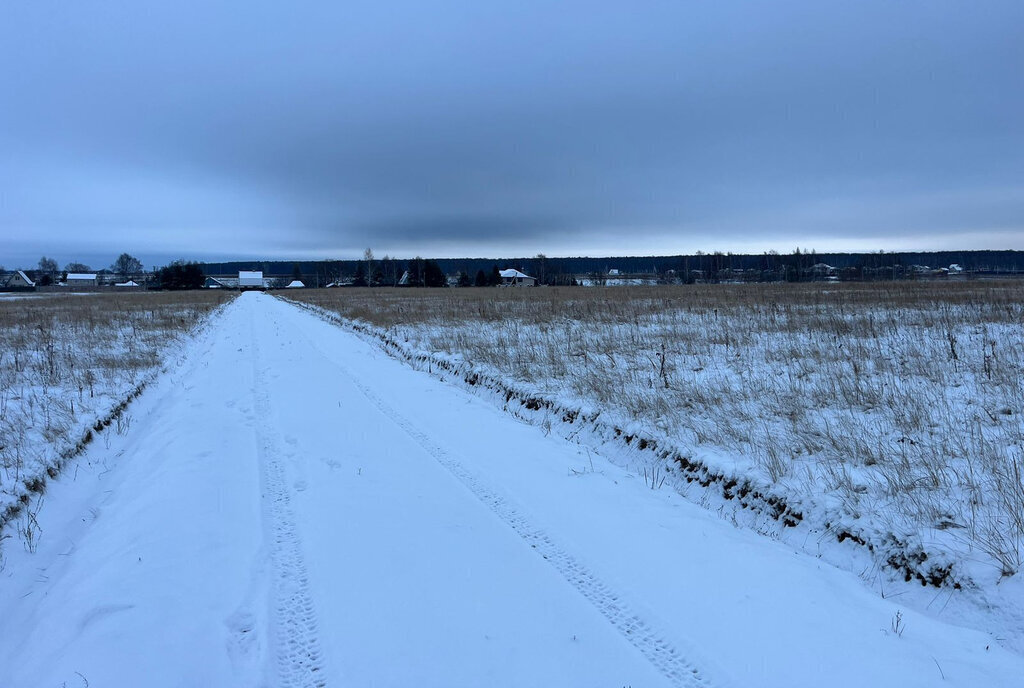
771, 266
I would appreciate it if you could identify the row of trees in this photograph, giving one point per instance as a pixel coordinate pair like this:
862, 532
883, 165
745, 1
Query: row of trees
418, 272
177, 275
421, 272
390, 272
126, 266
180, 275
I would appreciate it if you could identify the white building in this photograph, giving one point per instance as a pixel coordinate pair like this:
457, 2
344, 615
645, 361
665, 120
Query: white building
81, 279
250, 279
514, 278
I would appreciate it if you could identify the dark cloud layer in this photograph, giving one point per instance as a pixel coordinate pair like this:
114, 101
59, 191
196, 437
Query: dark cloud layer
318, 128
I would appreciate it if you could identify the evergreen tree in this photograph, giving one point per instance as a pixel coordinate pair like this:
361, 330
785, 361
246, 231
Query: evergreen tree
433, 276
181, 275
360, 278
416, 272
481, 279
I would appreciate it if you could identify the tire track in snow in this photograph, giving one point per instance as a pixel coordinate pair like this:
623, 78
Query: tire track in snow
653, 645
298, 652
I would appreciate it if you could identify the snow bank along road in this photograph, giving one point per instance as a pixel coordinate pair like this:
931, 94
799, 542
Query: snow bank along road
291, 507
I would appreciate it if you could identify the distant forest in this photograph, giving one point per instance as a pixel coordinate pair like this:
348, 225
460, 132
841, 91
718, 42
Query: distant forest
700, 267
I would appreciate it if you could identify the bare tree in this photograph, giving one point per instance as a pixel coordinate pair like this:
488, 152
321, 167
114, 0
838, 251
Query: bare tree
47, 266
389, 269
47, 272
126, 265
368, 257
540, 265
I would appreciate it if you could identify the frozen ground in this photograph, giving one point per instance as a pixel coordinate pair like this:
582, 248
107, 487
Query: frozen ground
68, 367
291, 507
887, 415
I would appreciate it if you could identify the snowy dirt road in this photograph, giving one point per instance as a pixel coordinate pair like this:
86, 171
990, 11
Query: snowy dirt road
291, 507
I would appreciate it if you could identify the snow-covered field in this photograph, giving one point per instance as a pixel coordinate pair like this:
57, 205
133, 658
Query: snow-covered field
67, 367
880, 418
292, 506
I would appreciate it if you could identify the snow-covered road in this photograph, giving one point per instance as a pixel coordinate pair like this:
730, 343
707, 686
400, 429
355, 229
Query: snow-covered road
291, 507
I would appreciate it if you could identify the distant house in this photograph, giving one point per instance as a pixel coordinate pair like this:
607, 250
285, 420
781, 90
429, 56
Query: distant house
823, 271
81, 279
250, 279
221, 283
295, 284
19, 279
514, 278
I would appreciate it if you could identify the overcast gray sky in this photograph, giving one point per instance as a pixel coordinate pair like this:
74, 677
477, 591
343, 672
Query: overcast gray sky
308, 129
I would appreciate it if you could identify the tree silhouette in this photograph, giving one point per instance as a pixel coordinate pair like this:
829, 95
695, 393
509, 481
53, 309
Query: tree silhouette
126, 265
181, 275
360, 279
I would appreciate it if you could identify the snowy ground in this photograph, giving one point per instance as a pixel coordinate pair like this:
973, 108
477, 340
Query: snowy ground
887, 415
291, 507
68, 368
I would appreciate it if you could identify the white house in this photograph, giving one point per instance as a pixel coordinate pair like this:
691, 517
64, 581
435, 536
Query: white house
514, 278
81, 279
20, 279
250, 279
823, 271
